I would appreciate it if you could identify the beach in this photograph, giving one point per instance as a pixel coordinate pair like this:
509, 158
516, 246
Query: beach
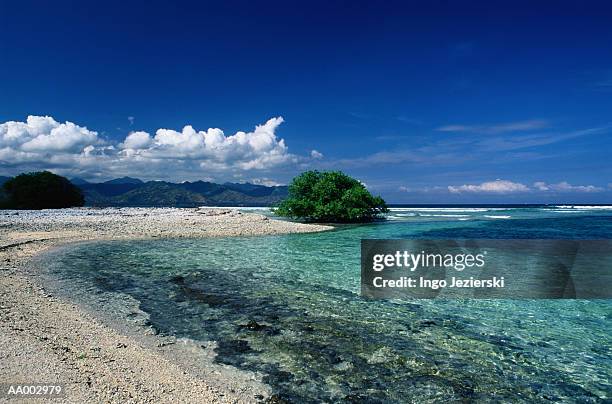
45, 338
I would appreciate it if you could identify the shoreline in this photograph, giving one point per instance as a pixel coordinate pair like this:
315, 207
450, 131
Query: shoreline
49, 338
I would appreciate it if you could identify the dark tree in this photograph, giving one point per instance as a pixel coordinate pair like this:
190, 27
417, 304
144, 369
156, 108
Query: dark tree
330, 197
41, 190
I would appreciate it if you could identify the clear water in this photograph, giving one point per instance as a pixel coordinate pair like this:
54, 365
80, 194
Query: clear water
289, 307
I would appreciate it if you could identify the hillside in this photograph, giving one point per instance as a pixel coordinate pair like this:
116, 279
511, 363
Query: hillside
125, 180
159, 193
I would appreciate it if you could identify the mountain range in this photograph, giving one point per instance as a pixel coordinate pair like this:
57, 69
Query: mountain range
129, 191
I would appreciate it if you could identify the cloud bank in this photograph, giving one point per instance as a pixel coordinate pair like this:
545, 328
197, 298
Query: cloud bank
41, 142
566, 187
506, 187
494, 187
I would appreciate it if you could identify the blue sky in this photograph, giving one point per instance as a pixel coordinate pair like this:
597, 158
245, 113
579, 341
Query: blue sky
429, 102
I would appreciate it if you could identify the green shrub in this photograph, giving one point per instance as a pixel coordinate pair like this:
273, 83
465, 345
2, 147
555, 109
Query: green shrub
332, 197
41, 190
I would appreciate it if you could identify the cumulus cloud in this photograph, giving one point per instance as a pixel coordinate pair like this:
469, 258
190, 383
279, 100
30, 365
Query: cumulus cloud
259, 149
565, 187
44, 143
494, 187
136, 141
41, 134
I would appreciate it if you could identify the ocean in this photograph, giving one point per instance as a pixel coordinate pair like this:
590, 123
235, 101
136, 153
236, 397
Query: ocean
289, 308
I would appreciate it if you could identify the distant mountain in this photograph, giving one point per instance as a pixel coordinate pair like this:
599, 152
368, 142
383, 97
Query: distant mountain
252, 189
78, 181
3, 180
125, 180
187, 194
159, 194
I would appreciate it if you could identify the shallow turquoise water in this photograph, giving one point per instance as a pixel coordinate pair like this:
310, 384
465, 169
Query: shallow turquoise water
289, 307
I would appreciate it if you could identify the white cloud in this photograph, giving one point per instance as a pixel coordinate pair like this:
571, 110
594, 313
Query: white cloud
44, 134
316, 155
265, 181
136, 141
495, 187
519, 126
516, 142
503, 187
259, 149
541, 186
43, 143
565, 187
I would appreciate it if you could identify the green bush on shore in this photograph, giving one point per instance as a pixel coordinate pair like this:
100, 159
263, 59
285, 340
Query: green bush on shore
331, 197
41, 190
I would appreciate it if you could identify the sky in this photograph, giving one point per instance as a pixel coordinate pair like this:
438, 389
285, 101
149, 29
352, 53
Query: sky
424, 102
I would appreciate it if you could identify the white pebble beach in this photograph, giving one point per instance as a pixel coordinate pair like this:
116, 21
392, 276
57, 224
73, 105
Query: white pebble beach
51, 339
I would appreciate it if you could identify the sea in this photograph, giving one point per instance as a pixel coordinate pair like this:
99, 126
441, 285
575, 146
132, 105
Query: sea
289, 308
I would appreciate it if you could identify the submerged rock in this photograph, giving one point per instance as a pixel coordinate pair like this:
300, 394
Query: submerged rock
178, 279
255, 326
231, 347
276, 399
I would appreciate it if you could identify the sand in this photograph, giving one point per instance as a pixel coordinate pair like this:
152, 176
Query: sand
48, 339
